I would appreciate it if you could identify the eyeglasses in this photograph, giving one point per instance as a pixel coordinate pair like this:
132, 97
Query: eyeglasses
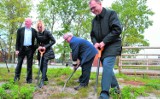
39, 27
93, 8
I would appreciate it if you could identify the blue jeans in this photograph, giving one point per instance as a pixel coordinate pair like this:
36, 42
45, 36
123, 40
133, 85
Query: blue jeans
108, 77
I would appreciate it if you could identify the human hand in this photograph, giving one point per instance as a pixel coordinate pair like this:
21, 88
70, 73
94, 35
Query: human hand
17, 52
102, 45
97, 45
75, 66
41, 49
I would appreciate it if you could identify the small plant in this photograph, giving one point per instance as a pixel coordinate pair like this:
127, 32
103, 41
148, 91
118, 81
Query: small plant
23, 92
7, 85
129, 92
155, 86
3, 93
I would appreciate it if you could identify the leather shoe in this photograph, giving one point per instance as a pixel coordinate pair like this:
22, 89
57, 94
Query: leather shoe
79, 87
29, 81
46, 79
16, 79
117, 90
104, 95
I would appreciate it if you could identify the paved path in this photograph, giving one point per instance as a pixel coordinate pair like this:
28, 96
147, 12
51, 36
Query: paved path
94, 69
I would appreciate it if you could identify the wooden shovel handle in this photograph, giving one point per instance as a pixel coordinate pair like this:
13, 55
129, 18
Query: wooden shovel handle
42, 52
100, 52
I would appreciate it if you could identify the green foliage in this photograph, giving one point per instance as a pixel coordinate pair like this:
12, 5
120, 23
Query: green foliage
130, 92
22, 92
57, 72
153, 85
93, 76
3, 93
65, 16
134, 16
26, 92
12, 16
7, 85
16, 91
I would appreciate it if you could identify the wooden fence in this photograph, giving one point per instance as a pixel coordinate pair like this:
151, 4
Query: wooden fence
146, 62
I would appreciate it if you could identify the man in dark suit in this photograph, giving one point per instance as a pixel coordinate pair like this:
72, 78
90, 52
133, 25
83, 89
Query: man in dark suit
83, 51
25, 46
105, 33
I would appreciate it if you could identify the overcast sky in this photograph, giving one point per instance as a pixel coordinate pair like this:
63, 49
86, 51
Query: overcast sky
153, 32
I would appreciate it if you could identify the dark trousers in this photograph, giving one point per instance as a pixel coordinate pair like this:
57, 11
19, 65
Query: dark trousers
86, 70
44, 67
28, 52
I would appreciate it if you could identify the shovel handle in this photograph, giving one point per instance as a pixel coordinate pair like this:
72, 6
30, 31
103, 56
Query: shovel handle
100, 52
42, 52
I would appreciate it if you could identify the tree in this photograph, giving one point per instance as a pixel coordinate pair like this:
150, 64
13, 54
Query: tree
71, 16
134, 16
48, 12
12, 16
75, 18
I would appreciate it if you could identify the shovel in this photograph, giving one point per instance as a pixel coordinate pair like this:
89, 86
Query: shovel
97, 74
70, 77
41, 55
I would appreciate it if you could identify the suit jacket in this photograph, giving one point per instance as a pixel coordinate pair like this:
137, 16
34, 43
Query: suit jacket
20, 38
106, 27
82, 50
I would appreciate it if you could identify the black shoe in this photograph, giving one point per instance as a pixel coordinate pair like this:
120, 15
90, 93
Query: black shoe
46, 79
16, 79
117, 90
104, 95
41, 84
29, 81
79, 87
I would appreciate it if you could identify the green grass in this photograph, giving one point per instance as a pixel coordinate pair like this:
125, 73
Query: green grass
57, 78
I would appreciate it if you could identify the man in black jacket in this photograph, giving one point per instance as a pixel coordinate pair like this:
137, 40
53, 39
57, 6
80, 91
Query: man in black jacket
105, 33
25, 46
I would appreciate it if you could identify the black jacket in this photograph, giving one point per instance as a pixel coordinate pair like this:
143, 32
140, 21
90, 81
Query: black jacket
20, 38
47, 40
106, 27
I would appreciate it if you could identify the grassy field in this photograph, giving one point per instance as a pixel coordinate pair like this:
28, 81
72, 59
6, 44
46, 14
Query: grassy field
132, 87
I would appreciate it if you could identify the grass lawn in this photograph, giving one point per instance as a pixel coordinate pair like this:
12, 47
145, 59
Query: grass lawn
132, 87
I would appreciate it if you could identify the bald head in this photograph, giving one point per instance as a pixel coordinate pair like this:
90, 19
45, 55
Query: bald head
28, 22
67, 37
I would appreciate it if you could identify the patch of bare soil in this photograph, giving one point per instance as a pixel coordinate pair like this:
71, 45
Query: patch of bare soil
134, 83
46, 91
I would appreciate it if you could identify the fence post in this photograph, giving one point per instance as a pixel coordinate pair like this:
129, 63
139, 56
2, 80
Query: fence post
119, 64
